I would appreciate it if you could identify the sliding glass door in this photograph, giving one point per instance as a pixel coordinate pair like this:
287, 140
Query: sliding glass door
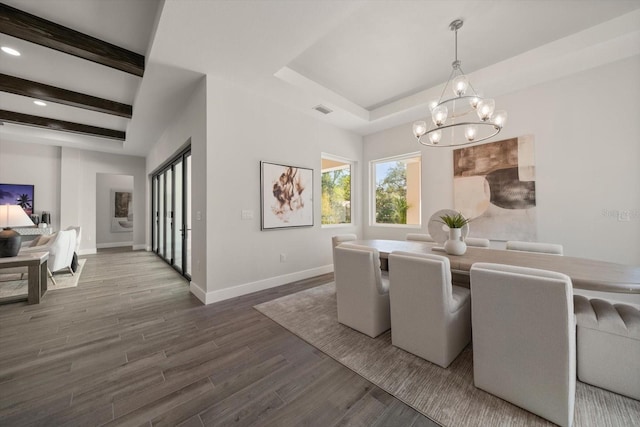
171, 206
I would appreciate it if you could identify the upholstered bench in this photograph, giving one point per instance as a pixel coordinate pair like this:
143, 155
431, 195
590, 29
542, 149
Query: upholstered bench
608, 345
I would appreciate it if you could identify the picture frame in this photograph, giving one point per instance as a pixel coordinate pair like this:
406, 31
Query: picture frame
286, 196
18, 194
121, 211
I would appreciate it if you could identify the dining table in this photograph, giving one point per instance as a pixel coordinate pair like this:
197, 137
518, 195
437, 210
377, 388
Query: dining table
586, 274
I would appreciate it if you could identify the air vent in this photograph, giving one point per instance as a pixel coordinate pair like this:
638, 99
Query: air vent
322, 109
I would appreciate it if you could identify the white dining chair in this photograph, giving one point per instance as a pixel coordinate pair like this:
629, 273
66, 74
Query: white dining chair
547, 248
420, 237
477, 242
524, 338
430, 317
361, 291
341, 238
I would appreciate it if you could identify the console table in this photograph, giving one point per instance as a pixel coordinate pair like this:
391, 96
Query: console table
33, 231
585, 273
36, 263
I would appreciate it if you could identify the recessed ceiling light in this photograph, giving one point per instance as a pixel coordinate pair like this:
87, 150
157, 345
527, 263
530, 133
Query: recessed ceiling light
40, 103
10, 51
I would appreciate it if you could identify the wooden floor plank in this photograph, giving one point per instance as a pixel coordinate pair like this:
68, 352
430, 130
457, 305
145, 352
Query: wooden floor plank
132, 346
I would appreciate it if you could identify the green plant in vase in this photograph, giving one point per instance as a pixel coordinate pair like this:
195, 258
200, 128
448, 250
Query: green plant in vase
455, 245
454, 221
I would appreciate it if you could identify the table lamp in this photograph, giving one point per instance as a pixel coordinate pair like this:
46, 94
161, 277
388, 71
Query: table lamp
11, 216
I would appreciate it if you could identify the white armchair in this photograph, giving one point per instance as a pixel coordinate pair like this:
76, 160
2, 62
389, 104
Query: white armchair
341, 238
524, 338
477, 242
61, 248
546, 248
338, 239
429, 317
78, 230
361, 291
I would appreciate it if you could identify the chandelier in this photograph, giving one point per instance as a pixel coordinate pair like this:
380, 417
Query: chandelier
471, 118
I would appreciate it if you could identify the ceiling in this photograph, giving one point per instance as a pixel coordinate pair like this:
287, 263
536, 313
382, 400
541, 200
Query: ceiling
376, 64
123, 23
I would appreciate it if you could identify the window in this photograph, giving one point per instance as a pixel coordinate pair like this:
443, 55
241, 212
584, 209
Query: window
396, 190
336, 190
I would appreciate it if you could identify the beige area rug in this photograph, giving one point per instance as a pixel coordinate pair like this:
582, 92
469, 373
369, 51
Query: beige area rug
447, 396
11, 285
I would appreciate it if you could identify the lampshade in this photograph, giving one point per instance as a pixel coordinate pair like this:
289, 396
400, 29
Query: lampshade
14, 216
11, 216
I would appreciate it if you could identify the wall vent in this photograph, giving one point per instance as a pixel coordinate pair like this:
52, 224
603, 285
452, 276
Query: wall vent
323, 109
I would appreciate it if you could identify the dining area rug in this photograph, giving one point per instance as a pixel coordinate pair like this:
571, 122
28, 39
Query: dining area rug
446, 396
12, 284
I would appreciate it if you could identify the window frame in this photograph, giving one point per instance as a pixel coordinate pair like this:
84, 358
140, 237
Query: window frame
373, 186
352, 166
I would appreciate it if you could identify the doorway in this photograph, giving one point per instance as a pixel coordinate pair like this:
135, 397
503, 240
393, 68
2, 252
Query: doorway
114, 210
171, 212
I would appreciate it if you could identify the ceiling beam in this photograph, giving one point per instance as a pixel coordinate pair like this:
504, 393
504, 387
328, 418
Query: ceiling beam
18, 86
60, 125
25, 26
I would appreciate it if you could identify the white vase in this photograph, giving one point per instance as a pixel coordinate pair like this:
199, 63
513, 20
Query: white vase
455, 245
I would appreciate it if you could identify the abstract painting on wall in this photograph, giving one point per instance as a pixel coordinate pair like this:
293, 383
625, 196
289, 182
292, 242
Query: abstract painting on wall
495, 184
121, 211
286, 193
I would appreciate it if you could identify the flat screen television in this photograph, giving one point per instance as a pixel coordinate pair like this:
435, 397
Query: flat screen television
18, 194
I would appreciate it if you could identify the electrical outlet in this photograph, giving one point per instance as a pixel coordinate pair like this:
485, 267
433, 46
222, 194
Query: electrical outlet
246, 214
283, 257
198, 216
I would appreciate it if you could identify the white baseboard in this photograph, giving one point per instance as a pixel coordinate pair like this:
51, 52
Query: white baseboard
113, 245
198, 292
90, 251
260, 285
141, 247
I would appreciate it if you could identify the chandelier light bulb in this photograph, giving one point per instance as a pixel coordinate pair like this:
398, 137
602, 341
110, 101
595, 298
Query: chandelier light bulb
435, 137
439, 115
460, 85
470, 132
419, 128
485, 109
474, 102
432, 105
500, 118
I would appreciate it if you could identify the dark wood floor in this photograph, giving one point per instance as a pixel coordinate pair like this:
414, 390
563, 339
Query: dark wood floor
131, 346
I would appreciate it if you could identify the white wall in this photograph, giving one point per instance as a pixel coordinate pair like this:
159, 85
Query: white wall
190, 127
34, 164
105, 183
242, 130
586, 131
232, 256
79, 170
